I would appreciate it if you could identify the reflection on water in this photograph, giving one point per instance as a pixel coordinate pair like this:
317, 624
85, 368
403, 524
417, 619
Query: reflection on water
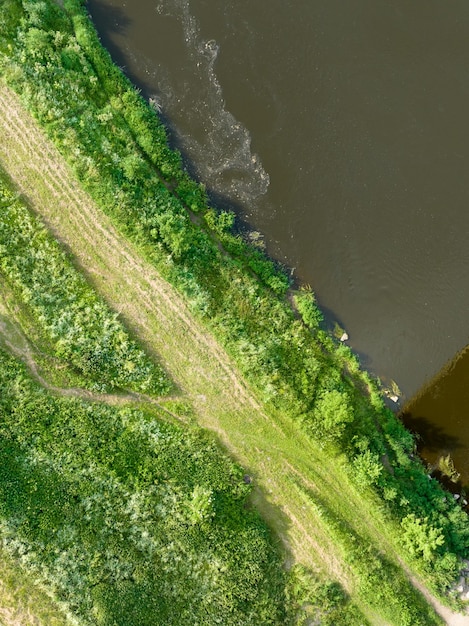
440, 416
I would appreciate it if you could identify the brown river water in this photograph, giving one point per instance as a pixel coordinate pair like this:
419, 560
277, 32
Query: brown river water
340, 131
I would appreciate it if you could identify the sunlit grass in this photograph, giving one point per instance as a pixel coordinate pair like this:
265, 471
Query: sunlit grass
22, 601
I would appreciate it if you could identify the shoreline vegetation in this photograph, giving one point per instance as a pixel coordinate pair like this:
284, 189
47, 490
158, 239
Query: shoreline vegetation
308, 418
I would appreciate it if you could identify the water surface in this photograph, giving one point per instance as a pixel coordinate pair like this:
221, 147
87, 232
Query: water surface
337, 129
440, 416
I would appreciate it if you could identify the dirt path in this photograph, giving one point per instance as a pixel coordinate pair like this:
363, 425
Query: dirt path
80, 225
161, 320
20, 347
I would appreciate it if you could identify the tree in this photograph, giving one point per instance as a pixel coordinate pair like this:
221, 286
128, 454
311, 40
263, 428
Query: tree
421, 538
333, 412
367, 468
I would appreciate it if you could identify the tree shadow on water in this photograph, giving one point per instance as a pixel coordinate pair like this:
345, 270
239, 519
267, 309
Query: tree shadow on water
110, 20
431, 436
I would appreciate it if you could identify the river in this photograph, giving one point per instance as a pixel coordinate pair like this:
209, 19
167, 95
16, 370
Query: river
339, 131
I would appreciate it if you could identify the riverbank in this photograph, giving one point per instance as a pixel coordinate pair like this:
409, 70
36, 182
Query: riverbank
209, 386
205, 376
287, 401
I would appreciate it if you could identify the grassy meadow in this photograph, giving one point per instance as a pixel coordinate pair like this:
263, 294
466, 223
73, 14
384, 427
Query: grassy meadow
116, 269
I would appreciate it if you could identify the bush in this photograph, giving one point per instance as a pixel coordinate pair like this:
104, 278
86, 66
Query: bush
307, 307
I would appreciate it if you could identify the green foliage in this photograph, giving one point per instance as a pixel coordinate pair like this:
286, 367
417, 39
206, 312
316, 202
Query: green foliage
334, 412
219, 222
82, 330
446, 570
10, 16
446, 467
367, 468
380, 584
192, 194
313, 601
129, 520
307, 307
117, 146
421, 538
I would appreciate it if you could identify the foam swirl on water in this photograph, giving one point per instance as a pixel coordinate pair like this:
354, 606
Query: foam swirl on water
218, 145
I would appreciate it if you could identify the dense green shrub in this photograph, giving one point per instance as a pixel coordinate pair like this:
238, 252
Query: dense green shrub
307, 307
312, 601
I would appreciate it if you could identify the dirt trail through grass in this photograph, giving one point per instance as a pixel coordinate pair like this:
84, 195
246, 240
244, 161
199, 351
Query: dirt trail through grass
15, 341
58, 199
274, 453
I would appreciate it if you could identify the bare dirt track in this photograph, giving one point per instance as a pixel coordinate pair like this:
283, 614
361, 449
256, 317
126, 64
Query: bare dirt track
161, 320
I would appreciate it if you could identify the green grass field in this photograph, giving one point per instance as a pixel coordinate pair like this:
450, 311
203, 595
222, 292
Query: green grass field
357, 528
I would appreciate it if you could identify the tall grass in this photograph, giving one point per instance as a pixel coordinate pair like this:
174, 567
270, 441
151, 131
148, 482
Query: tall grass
78, 324
128, 519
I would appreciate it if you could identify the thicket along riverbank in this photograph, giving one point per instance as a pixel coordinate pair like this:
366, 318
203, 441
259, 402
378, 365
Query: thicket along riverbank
335, 448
